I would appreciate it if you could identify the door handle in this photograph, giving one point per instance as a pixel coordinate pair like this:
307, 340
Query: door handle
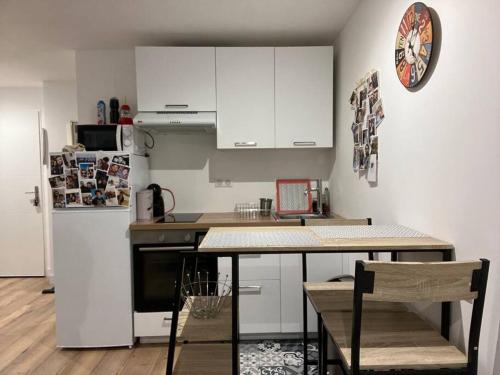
36, 199
250, 289
245, 144
301, 143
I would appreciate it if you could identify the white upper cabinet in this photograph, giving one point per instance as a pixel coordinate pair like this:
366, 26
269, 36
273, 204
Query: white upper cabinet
304, 97
245, 97
175, 78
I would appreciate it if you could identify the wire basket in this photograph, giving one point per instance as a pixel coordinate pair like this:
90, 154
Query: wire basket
204, 298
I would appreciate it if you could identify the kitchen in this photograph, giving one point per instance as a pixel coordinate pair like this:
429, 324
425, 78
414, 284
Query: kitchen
268, 110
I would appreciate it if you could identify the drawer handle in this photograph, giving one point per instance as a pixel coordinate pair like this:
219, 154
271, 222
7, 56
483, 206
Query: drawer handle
176, 105
245, 144
250, 256
165, 319
250, 289
311, 143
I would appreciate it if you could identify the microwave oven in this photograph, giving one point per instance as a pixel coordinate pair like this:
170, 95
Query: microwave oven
124, 138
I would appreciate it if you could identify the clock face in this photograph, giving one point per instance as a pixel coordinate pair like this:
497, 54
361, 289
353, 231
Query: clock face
413, 45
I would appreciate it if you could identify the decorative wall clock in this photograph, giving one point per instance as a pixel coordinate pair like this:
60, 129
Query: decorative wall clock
414, 45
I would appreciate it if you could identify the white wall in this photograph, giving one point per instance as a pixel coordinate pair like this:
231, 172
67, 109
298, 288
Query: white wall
59, 108
439, 152
189, 164
20, 98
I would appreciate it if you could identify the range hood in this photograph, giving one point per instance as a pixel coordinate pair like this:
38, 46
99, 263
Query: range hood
167, 121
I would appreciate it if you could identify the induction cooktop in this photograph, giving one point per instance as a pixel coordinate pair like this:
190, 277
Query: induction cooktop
180, 218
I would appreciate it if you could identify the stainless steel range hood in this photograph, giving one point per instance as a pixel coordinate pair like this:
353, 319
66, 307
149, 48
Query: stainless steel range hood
178, 121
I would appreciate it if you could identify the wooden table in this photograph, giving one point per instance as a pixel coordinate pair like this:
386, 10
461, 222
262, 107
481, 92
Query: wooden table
233, 241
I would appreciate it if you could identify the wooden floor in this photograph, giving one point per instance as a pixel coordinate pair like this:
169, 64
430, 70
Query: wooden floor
28, 345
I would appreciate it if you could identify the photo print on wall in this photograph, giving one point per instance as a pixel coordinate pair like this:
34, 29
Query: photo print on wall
90, 179
368, 114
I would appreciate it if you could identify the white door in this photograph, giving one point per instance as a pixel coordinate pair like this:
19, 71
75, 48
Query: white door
304, 97
245, 97
21, 222
175, 78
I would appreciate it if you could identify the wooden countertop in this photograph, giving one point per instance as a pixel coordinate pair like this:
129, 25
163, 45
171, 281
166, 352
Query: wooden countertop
217, 219
305, 239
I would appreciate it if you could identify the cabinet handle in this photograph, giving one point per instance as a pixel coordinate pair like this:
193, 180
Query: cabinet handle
249, 256
165, 319
245, 144
250, 289
176, 105
310, 143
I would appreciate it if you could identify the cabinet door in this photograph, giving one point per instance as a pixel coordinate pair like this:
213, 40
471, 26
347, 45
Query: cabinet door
304, 97
320, 267
175, 78
245, 97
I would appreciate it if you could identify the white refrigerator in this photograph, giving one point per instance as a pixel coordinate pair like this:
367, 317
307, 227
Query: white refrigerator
93, 270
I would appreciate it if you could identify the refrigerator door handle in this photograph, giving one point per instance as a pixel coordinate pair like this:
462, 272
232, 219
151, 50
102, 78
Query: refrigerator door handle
45, 146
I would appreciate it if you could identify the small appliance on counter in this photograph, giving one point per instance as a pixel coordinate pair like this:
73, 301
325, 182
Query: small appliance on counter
145, 204
158, 203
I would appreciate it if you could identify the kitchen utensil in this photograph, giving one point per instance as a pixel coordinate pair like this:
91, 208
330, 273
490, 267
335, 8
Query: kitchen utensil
265, 206
145, 205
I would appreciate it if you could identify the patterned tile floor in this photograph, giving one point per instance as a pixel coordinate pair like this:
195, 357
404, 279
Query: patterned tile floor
275, 357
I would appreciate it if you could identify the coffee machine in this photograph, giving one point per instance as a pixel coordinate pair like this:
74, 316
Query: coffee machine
158, 203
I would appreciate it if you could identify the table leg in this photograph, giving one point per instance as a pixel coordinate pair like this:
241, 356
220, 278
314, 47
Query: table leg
175, 315
304, 310
320, 347
235, 314
446, 306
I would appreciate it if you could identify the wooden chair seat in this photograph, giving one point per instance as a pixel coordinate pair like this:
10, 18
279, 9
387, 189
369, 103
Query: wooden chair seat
338, 296
393, 340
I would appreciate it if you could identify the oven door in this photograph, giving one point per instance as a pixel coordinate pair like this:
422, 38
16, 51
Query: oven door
155, 270
100, 137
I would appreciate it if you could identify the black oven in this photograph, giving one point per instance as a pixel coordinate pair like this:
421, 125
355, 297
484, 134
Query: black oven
155, 270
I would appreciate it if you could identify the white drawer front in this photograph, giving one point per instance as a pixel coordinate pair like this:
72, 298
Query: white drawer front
152, 324
253, 267
260, 306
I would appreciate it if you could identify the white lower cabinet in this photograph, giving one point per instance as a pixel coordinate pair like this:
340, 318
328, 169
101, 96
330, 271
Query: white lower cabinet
320, 267
152, 324
260, 306
260, 302
253, 267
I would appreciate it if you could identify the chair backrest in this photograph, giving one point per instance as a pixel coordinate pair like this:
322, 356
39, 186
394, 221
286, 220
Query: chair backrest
318, 222
415, 281
408, 282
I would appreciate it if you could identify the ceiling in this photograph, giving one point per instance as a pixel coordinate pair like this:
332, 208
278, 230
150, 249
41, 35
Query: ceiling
34, 33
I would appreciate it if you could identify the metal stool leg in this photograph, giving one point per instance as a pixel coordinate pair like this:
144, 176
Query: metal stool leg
304, 310
320, 343
324, 346
175, 314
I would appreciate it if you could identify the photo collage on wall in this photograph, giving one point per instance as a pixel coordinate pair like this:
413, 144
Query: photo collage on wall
366, 103
90, 179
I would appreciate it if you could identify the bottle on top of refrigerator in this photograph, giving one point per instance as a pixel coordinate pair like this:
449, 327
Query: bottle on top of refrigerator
114, 114
101, 112
125, 115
